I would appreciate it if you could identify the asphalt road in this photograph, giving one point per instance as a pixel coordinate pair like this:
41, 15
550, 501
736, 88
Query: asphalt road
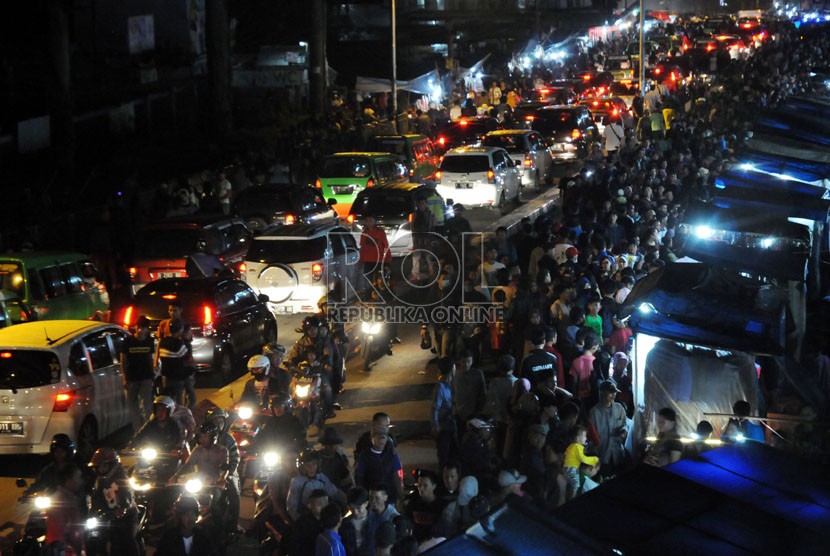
400, 385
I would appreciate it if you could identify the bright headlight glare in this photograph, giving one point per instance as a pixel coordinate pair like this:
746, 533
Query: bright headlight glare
193, 486
245, 412
92, 523
149, 454
370, 327
244, 443
704, 232
43, 502
271, 459
740, 437
140, 487
302, 390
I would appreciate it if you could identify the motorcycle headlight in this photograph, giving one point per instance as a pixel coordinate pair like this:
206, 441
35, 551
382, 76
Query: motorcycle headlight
139, 487
149, 454
244, 443
92, 523
193, 486
302, 390
245, 412
271, 459
43, 502
370, 327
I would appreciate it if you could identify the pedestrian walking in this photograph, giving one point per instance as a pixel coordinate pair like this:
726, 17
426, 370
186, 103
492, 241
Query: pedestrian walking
138, 371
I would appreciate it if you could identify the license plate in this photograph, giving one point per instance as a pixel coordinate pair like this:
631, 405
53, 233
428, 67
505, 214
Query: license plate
558, 147
284, 309
342, 189
169, 274
462, 185
11, 428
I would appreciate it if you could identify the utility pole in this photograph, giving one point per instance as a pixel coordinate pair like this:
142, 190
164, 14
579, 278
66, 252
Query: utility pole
63, 131
642, 48
218, 45
395, 64
318, 68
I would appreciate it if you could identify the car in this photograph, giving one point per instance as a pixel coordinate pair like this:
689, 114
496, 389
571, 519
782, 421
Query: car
561, 93
621, 68
416, 151
633, 51
479, 177
60, 376
734, 45
297, 265
603, 108
13, 310
528, 150
593, 83
569, 131
671, 74
625, 92
163, 248
228, 319
263, 205
343, 175
391, 206
466, 131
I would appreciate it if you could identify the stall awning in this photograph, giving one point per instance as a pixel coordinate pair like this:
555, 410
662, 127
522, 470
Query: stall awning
816, 173
423, 85
771, 195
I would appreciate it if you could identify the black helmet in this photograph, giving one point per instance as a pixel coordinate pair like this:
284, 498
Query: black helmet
308, 455
280, 399
311, 322
209, 429
187, 503
62, 441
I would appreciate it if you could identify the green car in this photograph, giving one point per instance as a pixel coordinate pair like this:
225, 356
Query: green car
343, 175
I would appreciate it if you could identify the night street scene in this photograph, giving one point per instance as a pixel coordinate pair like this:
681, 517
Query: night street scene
399, 277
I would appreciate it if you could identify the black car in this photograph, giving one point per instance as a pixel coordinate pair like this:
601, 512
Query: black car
263, 205
466, 131
228, 319
569, 130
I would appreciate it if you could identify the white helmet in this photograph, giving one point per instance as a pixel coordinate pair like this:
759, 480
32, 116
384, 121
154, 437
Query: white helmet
259, 362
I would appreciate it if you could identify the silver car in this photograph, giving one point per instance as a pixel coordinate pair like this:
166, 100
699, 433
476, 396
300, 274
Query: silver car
478, 177
528, 149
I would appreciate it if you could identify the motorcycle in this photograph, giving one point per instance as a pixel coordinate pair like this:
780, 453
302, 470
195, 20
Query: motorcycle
97, 533
376, 342
148, 476
246, 420
34, 533
306, 394
213, 507
271, 486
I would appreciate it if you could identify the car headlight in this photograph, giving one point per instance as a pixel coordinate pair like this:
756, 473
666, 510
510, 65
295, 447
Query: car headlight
302, 390
92, 523
43, 502
245, 412
149, 454
193, 486
271, 459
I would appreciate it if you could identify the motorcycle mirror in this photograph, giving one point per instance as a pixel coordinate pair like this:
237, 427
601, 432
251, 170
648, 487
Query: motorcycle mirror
298, 330
21, 483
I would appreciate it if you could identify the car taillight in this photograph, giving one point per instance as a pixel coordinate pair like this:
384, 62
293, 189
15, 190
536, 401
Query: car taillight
658, 71
316, 272
133, 271
370, 183
528, 161
438, 175
673, 76
289, 219
491, 175
207, 320
410, 218
529, 118
463, 123
6, 355
128, 317
710, 47
442, 141
350, 219
615, 112
318, 184
576, 134
411, 173
243, 268
63, 401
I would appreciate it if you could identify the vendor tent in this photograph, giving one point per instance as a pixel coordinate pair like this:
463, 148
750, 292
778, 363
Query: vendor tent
816, 173
423, 85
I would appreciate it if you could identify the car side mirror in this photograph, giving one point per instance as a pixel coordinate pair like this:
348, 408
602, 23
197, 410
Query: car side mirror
263, 298
332, 202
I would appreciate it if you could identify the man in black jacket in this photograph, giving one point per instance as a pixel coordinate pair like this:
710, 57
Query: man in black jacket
185, 538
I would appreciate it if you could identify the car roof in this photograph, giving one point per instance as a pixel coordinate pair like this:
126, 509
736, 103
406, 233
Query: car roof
191, 221
195, 283
412, 136
511, 132
359, 153
297, 231
43, 258
462, 151
557, 107
46, 333
392, 187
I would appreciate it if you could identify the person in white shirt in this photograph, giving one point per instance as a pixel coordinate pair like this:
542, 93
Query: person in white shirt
223, 193
490, 267
612, 137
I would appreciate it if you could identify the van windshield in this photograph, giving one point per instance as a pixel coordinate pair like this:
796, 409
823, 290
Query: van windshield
394, 146
11, 278
287, 251
23, 368
346, 167
167, 244
465, 164
510, 143
393, 204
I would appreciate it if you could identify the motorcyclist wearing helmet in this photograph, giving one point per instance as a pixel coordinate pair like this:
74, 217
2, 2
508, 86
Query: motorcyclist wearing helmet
208, 459
258, 387
221, 420
62, 451
309, 479
282, 429
161, 431
324, 350
113, 498
186, 532
280, 375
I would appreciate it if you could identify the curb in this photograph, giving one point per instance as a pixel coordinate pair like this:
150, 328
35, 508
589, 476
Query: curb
542, 204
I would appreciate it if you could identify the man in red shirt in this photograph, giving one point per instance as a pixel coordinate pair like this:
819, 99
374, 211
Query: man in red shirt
374, 247
582, 369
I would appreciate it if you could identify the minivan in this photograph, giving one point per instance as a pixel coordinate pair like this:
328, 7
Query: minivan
60, 376
53, 285
343, 175
416, 151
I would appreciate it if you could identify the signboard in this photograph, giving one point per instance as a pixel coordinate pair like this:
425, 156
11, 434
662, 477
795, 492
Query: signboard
141, 33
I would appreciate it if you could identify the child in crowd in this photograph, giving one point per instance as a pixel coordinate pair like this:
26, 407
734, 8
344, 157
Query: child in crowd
574, 457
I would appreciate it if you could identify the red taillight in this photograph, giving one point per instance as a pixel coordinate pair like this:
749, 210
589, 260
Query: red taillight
6, 355
576, 134
133, 272
586, 77
63, 401
318, 184
615, 112
289, 219
370, 183
243, 268
350, 219
544, 91
128, 316
530, 118
442, 141
673, 76
491, 175
169, 296
438, 174
316, 272
528, 161
710, 47
410, 217
658, 71
207, 320
596, 103
463, 123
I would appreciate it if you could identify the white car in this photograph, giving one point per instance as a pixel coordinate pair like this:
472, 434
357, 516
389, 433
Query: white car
478, 177
297, 265
60, 376
528, 150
